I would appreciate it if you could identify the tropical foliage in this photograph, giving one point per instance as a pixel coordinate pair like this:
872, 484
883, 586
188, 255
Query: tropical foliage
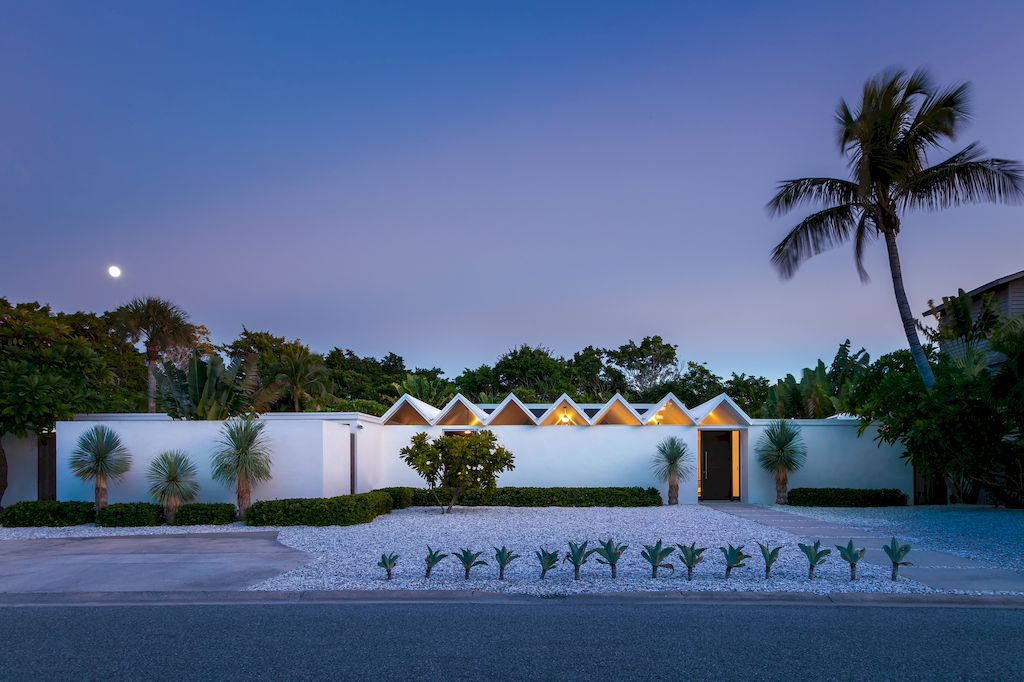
780, 450
851, 555
609, 554
672, 464
815, 556
101, 457
691, 556
172, 481
656, 555
897, 554
770, 555
388, 562
503, 556
469, 560
162, 326
734, 558
300, 375
548, 561
458, 463
242, 458
207, 389
433, 558
577, 556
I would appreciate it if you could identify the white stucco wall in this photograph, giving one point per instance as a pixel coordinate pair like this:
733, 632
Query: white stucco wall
22, 469
836, 458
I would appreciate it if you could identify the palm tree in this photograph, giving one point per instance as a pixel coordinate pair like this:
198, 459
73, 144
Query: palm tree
900, 121
672, 464
161, 325
431, 390
101, 457
301, 375
781, 450
242, 458
172, 478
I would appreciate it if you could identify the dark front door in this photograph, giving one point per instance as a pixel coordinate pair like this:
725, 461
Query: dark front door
716, 465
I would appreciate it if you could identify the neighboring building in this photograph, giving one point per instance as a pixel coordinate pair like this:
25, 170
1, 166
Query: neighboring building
562, 443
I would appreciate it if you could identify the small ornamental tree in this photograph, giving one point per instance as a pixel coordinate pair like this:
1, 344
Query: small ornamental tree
458, 463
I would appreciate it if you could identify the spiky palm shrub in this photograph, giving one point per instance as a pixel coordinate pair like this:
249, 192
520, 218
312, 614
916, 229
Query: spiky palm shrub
734, 558
815, 556
896, 553
851, 555
100, 456
387, 562
503, 557
172, 481
609, 554
781, 450
691, 556
577, 556
432, 559
242, 457
470, 560
548, 561
655, 555
771, 555
671, 465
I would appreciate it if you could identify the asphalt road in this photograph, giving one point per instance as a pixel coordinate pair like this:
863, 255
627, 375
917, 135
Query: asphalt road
553, 640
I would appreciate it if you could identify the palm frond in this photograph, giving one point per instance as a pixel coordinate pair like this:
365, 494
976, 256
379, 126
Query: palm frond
100, 452
866, 232
965, 178
793, 193
815, 234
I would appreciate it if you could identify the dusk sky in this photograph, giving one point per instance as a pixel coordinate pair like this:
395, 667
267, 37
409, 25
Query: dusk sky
448, 180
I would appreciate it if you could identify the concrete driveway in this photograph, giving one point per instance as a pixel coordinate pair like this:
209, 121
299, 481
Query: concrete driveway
214, 561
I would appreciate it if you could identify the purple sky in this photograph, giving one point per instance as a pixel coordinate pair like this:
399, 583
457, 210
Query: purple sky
447, 180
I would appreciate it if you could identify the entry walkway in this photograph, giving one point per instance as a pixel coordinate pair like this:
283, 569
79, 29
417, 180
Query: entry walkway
939, 570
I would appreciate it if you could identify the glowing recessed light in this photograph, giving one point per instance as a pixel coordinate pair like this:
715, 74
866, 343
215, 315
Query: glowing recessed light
114, 271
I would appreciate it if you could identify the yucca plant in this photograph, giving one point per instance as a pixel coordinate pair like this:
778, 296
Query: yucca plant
242, 457
691, 556
672, 464
734, 558
781, 450
815, 556
432, 559
655, 555
577, 556
609, 554
851, 555
771, 555
100, 456
470, 560
548, 561
897, 553
172, 481
387, 562
503, 557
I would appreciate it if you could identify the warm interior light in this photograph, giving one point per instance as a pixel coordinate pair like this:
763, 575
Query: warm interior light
565, 418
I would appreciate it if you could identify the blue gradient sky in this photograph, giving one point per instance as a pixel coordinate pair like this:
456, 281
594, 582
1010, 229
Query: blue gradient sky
446, 180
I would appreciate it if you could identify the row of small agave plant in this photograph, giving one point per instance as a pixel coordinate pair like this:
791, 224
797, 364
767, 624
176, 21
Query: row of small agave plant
657, 555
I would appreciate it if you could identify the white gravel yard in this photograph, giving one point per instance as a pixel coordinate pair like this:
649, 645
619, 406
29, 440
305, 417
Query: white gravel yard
91, 530
347, 556
990, 536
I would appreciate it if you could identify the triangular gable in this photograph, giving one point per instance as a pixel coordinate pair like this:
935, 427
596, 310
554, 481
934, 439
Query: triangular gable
564, 412
512, 412
409, 411
669, 412
617, 411
720, 411
460, 412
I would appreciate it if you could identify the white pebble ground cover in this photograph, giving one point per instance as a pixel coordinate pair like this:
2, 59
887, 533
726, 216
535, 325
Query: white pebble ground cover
990, 536
91, 530
347, 556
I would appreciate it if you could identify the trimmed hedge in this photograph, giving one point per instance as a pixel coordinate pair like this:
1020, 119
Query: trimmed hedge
346, 510
541, 497
847, 497
130, 515
47, 513
400, 497
202, 514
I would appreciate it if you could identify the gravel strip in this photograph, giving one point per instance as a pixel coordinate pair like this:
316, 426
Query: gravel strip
990, 536
347, 556
91, 530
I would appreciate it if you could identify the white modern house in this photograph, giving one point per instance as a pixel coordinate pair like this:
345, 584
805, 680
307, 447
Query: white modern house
562, 443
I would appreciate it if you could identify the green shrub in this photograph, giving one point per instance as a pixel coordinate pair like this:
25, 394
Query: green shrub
544, 497
846, 497
130, 515
400, 497
345, 510
47, 513
212, 514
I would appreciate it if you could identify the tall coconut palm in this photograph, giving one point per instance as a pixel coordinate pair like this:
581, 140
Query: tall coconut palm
887, 141
160, 325
781, 450
242, 458
301, 375
672, 464
172, 479
100, 456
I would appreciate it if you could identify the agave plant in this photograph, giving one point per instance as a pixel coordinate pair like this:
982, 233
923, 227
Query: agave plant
577, 556
100, 456
851, 555
734, 558
897, 553
691, 556
548, 561
387, 562
771, 555
172, 481
609, 554
432, 559
815, 556
503, 557
470, 559
655, 555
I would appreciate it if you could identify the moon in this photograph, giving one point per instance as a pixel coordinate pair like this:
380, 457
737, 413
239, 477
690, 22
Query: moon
114, 271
